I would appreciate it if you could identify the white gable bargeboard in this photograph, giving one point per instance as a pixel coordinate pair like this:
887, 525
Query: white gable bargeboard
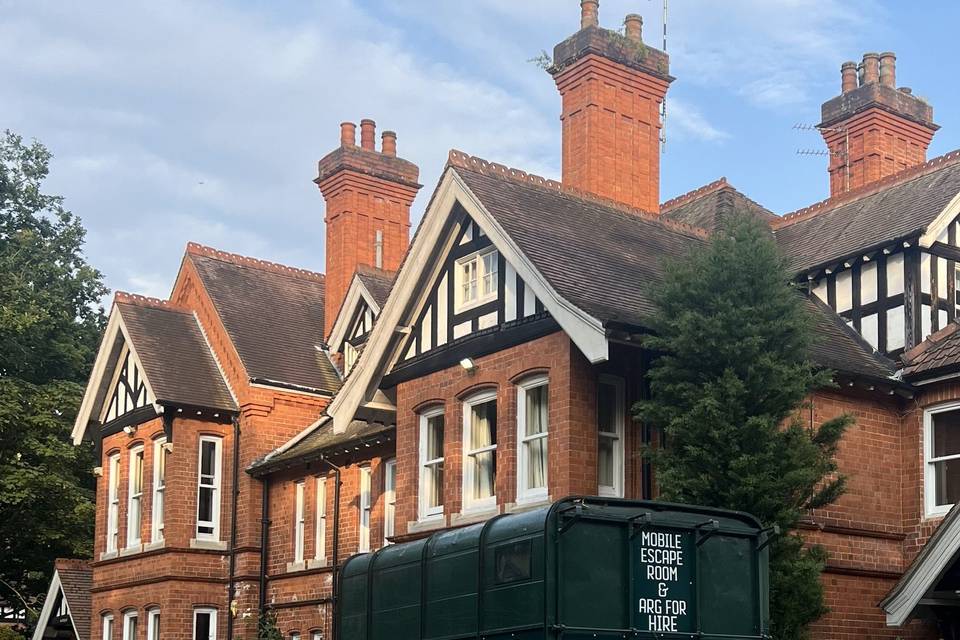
424, 265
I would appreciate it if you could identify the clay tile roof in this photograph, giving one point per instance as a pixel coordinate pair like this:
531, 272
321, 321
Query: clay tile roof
273, 314
377, 281
600, 255
707, 206
837, 346
175, 356
321, 441
76, 578
933, 356
883, 212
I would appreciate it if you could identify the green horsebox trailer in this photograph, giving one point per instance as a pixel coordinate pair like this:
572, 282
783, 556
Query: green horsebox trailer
581, 568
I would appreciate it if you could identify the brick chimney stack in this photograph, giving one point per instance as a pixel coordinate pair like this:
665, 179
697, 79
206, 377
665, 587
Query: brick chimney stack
611, 89
873, 129
368, 195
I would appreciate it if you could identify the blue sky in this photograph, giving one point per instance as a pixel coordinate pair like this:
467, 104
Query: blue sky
192, 120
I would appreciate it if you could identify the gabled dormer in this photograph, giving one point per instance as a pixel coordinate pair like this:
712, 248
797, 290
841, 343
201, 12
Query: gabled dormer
367, 294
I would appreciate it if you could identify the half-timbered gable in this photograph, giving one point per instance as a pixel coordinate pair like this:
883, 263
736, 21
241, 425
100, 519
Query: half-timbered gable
366, 296
475, 292
153, 355
884, 257
66, 609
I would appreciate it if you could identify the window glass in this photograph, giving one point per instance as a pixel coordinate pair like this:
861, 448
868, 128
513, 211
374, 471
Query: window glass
477, 278
513, 562
204, 624
153, 625
431, 461
321, 542
106, 626
610, 437
130, 626
159, 487
389, 499
135, 497
533, 416
208, 498
945, 457
481, 450
113, 503
299, 522
364, 544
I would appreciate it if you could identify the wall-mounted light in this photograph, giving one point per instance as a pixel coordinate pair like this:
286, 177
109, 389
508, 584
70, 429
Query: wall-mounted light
130, 430
468, 365
98, 472
168, 447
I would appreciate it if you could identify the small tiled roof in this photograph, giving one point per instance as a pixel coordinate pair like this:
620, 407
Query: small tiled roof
892, 209
934, 355
839, 347
707, 206
176, 359
601, 256
274, 316
321, 441
377, 281
76, 578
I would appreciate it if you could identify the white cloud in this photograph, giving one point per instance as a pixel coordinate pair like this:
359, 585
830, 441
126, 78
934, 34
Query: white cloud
687, 122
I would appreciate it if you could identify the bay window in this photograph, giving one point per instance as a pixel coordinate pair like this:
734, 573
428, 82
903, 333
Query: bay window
942, 453
532, 412
610, 418
480, 451
431, 463
364, 544
113, 504
210, 469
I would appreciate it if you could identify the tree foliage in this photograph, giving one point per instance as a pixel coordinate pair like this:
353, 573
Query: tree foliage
727, 387
50, 321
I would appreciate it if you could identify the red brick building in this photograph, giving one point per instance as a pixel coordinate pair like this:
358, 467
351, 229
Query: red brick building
264, 423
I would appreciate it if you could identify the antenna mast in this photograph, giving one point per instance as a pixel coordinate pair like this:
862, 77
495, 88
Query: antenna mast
663, 104
843, 153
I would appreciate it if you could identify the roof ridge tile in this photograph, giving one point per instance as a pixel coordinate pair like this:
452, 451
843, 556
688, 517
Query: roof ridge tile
196, 249
695, 194
124, 297
869, 189
473, 163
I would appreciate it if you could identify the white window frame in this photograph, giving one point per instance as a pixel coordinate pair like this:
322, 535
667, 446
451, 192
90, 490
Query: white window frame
350, 355
113, 503
216, 486
130, 617
320, 542
159, 489
316, 635
153, 624
294, 635
525, 494
616, 490
477, 257
213, 621
365, 508
426, 466
299, 520
106, 626
469, 502
134, 497
389, 499
933, 510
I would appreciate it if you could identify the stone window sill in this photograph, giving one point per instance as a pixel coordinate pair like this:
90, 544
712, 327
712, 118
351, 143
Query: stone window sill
317, 563
153, 546
132, 551
108, 555
215, 545
472, 516
293, 567
528, 504
427, 524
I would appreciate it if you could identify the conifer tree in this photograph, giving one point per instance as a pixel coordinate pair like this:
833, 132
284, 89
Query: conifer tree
732, 336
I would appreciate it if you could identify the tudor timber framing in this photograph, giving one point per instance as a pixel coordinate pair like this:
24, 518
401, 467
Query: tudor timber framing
584, 330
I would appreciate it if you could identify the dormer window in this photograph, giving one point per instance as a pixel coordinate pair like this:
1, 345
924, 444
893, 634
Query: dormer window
349, 357
476, 279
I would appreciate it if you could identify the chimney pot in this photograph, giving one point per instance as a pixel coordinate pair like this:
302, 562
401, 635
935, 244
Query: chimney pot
348, 134
848, 75
634, 27
888, 69
906, 90
389, 143
871, 68
589, 13
368, 129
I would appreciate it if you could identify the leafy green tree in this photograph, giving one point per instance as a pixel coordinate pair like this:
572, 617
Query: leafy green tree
50, 321
267, 628
733, 338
